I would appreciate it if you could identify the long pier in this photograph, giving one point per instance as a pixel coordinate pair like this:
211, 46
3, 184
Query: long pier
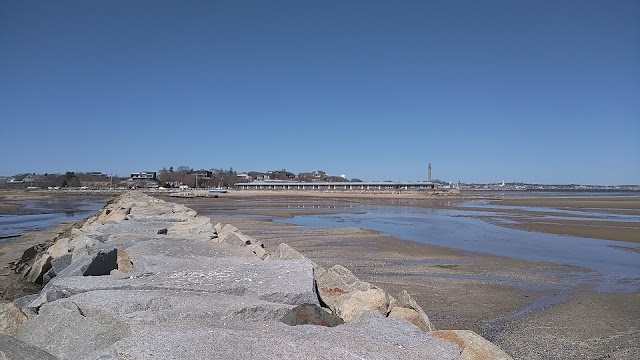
375, 185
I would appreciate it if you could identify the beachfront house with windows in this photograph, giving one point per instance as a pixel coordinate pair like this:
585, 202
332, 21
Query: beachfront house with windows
143, 175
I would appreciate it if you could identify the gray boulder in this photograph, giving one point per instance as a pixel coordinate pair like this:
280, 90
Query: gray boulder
367, 315
197, 227
404, 306
11, 317
184, 248
232, 239
197, 309
80, 246
59, 248
287, 282
309, 314
62, 330
60, 263
14, 349
96, 264
40, 266
472, 346
383, 338
286, 252
23, 303
233, 236
345, 294
123, 262
256, 246
225, 229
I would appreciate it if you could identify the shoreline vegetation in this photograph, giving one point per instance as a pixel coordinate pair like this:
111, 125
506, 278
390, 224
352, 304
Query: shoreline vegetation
501, 298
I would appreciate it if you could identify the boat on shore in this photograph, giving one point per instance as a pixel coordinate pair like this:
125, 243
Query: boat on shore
218, 190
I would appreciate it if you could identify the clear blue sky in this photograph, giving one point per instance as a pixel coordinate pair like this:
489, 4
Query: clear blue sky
537, 91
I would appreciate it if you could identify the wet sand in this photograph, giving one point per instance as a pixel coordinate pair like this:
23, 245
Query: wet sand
612, 203
538, 216
11, 251
592, 228
10, 201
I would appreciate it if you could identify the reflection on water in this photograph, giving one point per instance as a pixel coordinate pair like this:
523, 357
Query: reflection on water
618, 269
41, 214
572, 214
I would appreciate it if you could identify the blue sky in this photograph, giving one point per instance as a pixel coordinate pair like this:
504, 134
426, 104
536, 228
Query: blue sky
539, 91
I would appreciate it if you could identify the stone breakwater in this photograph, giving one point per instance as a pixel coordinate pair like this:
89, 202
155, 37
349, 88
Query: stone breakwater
148, 279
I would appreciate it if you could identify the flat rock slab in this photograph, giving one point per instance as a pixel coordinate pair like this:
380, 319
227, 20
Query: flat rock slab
287, 282
95, 320
167, 306
128, 227
182, 248
372, 339
14, 349
62, 330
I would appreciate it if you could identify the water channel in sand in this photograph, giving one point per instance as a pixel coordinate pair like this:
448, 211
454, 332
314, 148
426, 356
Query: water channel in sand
41, 214
616, 263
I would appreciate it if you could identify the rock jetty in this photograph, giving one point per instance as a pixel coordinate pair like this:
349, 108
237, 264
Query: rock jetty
148, 279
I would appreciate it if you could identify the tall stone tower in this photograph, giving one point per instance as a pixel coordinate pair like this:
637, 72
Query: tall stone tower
429, 174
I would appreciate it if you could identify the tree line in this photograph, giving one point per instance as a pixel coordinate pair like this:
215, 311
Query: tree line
184, 175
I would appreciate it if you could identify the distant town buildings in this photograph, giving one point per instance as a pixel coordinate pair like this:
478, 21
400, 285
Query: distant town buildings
202, 173
271, 180
144, 175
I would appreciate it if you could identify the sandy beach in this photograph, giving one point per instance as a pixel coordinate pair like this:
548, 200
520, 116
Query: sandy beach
533, 310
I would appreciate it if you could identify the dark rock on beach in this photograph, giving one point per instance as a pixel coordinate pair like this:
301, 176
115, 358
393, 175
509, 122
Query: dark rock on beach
311, 314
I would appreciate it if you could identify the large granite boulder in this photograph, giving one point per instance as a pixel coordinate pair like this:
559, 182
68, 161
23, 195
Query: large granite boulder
472, 345
81, 246
309, 314
232, 239
287, 282
59, 248
40, 266
14, 349
11, 317
62, 330
161, 211
198, 309
183, 248
223, 229
101, 261
404, 306
286, 252
198, 227
345, 294
60, 263
383, 338
229, 234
